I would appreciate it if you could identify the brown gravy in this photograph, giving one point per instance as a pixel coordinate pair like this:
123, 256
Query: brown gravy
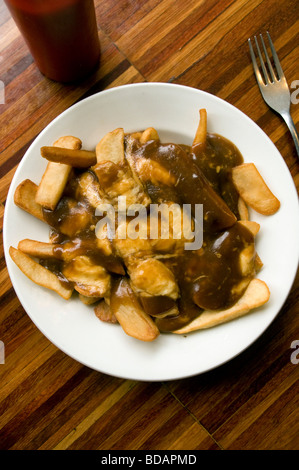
208, 278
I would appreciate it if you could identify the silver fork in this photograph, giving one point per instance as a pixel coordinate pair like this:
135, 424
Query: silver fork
273, 87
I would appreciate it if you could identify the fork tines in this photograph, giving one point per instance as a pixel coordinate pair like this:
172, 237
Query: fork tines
266, 77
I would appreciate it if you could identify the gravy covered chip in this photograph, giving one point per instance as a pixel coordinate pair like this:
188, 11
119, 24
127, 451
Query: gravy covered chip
73, 157
115, 174
256, 295
111, 147
39, 274
24, 198
253, 189
128, 312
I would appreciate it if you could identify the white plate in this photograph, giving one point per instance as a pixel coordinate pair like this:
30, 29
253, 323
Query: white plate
173, 111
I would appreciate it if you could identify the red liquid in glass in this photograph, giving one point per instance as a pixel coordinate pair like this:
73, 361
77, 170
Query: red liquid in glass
61, 34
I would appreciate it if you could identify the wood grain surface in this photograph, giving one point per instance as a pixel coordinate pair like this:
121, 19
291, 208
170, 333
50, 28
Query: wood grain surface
47, 399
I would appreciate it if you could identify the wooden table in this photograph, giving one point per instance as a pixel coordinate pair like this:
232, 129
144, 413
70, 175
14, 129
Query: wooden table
47, 399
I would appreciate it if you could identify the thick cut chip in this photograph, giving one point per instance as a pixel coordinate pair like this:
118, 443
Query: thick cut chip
111, 147
134, 135
149, 134
243, 209
258, 264
24, 197
38, 249
55, 176
70, 217
201, 132
103, 311
133, 319
38, 274
52, 184
86, 300
114, 173
251, 225
256, 295
68, 142
247, 261
74, 157
253, 189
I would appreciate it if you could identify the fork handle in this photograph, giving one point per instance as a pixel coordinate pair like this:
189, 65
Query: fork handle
290, 123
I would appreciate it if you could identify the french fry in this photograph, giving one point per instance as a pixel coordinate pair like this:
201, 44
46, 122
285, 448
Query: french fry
149, 134
113, 171
88, 300
247, 261
52, 184
134, 135
253, 189
201, 132
256, 295
37, 249
103, 311
111, 147
38, 274
24, 197
258, 264
55, 176
68, 142
243, 209
251, 225
74, 157
126, 308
